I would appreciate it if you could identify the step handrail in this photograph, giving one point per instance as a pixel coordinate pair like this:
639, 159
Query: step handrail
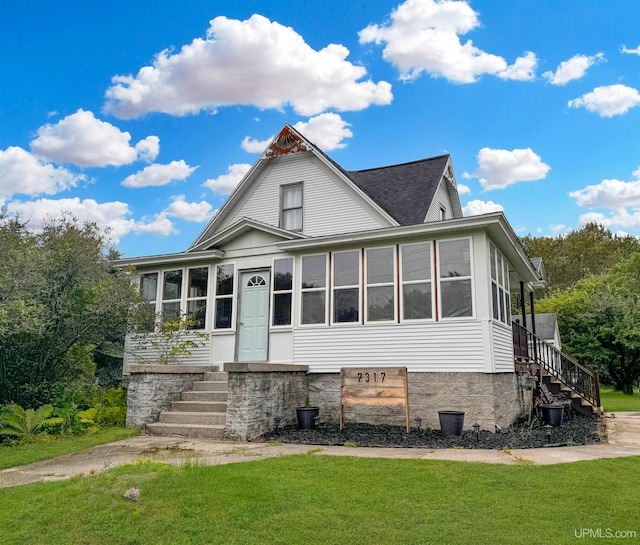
529, 347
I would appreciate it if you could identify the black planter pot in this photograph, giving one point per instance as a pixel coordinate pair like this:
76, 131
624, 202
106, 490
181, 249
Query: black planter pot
451, 422
552, 414
306, 416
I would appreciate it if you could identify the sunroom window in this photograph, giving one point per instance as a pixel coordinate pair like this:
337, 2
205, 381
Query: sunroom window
314, 289
224, 296
454, 259
197, 284
346, 286
381, 289
500, 286
171, 294
282, 291
291, 218
416, 265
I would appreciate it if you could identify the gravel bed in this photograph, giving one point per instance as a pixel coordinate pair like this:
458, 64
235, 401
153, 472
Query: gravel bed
579, 430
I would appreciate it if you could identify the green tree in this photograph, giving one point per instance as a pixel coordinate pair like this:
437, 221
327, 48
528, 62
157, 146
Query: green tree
593, 249
599, 321
61, 303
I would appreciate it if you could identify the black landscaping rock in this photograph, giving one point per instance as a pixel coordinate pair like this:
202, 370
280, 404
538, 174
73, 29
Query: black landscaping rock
578, 430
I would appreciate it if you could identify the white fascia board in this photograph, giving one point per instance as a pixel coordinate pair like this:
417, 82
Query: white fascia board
163, 259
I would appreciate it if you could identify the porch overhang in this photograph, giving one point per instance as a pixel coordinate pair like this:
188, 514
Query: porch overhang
168, 259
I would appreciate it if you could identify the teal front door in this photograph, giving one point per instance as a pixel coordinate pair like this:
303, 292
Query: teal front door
253, 325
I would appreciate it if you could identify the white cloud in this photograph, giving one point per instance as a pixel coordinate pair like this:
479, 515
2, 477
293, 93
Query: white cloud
254, 62
226, 183
524, 69
148, 148
621, 198
463, 189
158, 175
477, 207
574, 68
499, 168
424, 36
83, 140
189, 211
255, 146
635, 51
609, 194
327, 131
556, 228
608, 100
23, 173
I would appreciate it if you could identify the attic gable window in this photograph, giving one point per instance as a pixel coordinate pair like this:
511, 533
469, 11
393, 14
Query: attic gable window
291, 209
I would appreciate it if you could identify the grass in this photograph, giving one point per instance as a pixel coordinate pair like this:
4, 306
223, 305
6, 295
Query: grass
617, 401
328, 500
57, 446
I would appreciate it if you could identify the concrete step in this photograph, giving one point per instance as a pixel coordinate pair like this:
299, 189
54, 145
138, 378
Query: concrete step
199, 406
217, 375
209, 419
210, 386
204, 396
202, 431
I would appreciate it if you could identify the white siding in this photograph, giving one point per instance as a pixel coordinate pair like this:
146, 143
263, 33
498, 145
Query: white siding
281, 346
441, 197
420, 347
137, 352
250, 239
223, 348
330, 206
503, 359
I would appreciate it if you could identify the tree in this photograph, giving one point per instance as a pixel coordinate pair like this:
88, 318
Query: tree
61, 302
599, 321
568, 258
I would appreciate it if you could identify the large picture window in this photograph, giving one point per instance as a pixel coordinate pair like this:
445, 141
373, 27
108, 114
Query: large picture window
314, 289
416, 266
381, 288
346, 286
225, 275
454, 261
291, 218
282, 291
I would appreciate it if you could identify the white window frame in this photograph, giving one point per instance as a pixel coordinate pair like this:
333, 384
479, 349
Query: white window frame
393, 284
233, 296
275, 292
178, 300
335, 288
500, 265
283, 188
325, 289
445, 279
430, 281
204, 298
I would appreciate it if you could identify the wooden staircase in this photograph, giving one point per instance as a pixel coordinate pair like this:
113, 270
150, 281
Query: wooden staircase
201, 412
563, 376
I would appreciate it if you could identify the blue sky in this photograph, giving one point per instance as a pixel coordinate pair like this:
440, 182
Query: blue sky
142, 116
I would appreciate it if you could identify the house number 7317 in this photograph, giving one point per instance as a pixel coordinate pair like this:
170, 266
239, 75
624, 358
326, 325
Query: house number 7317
371, 377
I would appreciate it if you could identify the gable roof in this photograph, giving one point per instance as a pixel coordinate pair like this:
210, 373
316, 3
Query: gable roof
546, 324
404, 191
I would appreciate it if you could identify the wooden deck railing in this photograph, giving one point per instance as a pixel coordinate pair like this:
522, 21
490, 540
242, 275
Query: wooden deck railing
527, 347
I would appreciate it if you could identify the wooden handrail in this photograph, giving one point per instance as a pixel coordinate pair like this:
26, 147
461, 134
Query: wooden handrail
529, 347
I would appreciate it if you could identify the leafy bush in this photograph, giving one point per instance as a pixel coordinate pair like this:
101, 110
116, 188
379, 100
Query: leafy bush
26, 425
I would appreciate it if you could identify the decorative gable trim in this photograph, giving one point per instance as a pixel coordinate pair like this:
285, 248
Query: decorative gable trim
240, 227
287, 142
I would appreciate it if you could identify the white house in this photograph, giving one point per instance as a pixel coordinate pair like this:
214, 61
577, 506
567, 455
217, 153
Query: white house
308, 264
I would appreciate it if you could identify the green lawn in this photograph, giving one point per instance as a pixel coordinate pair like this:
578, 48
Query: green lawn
330, 500
52, 447
616, 401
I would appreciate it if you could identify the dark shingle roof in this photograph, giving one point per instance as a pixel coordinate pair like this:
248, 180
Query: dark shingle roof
404, 191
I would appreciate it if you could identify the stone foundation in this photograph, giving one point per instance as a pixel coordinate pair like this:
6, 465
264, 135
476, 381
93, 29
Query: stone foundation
260, 392
152, 388
488, 399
